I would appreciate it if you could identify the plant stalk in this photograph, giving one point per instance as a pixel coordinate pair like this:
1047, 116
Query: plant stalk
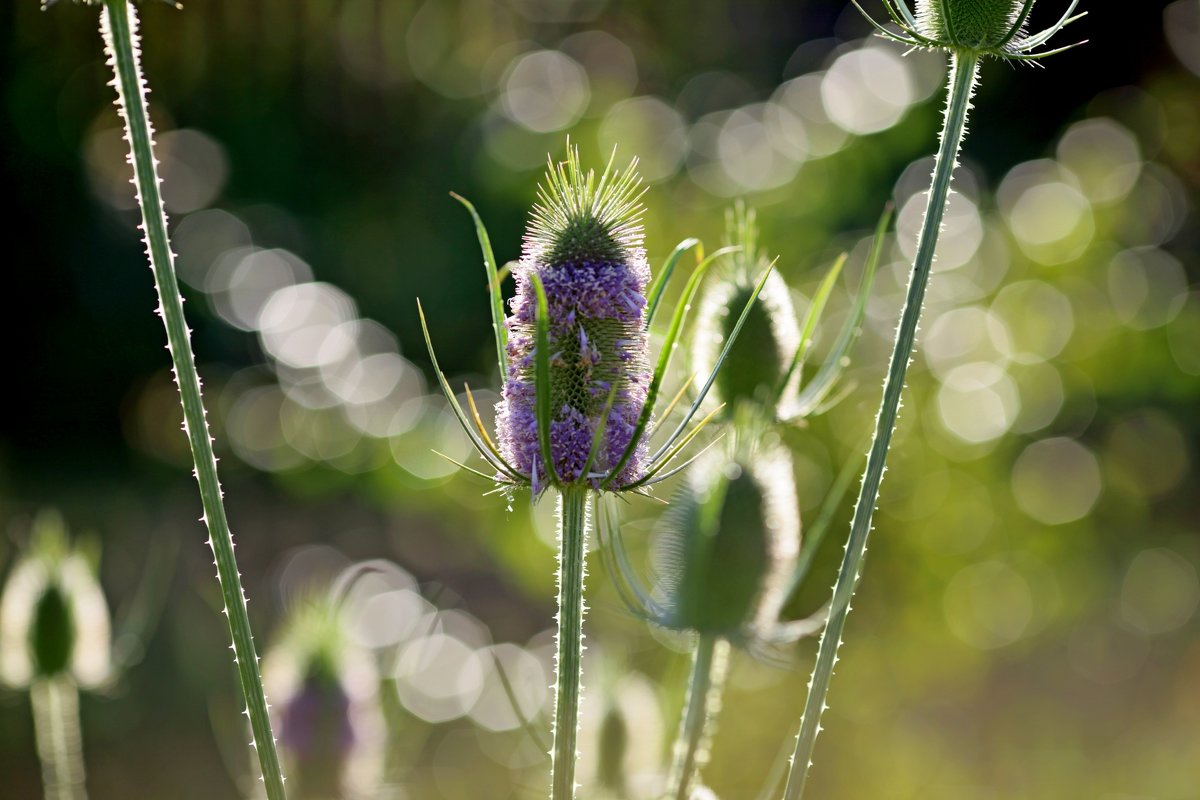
709, 664
963, 74
119, 28
572, 569
55, 702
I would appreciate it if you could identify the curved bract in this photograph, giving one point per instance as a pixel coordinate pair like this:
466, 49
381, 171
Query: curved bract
982, 27
765, 375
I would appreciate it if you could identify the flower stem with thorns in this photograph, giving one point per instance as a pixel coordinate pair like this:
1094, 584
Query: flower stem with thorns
965, 67
119, 29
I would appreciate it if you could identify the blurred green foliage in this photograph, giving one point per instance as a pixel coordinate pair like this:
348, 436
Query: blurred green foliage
1027, 623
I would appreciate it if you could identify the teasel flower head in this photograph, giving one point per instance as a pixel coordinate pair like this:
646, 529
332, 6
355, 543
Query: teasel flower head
765, 375
583, 258
53, 617
580, 394
326, 713
981, 27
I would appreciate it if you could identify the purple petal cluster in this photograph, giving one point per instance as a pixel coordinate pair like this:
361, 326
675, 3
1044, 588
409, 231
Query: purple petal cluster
597, 340
317, 717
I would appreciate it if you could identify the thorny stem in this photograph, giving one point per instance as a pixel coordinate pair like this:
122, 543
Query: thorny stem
964, 70
703, 700
119, 28
55, 702
572, 569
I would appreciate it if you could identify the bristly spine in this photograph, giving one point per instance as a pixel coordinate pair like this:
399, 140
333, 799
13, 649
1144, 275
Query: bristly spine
579, 217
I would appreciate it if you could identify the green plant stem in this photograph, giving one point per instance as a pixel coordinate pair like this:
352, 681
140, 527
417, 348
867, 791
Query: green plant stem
703, 701
55, 702
964, 70
572, 569
119, 29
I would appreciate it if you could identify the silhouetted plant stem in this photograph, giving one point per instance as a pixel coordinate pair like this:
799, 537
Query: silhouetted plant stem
964, 70
55, 702
119, 29
572, 569
703, 699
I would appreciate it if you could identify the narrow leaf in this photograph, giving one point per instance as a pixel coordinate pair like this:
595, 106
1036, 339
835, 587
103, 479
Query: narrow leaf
811, 318
499, 464
712, 376
835, 364
664, 275
541, 378
664, 358
489, 263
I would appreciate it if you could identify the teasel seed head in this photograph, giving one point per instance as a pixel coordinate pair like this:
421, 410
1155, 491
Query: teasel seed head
760, 359
53, 616
981, 27
583, 251
729, 542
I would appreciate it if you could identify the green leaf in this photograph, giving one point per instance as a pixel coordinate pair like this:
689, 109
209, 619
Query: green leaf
541, 378
598, 436
493, 459
815, 310
489, 263
675, 434
817, 389
664, 276
664, 359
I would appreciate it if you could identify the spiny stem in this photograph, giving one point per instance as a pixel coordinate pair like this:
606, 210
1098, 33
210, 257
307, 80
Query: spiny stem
709, 664
572, 569
964, 69
119, 28
55, 702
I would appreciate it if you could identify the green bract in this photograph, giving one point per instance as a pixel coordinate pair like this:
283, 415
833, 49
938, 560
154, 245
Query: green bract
982, 27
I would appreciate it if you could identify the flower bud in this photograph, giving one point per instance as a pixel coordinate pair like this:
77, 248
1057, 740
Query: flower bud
760, 357
53, 617
968, 24
584, 243
729, 543
323, 691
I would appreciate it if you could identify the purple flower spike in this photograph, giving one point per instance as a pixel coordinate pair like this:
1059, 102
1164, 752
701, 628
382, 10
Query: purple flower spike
584, 243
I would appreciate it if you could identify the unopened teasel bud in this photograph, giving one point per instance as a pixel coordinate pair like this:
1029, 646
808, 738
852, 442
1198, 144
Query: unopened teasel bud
730, 541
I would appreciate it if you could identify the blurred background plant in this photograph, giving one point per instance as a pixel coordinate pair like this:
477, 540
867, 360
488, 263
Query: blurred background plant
1030, 625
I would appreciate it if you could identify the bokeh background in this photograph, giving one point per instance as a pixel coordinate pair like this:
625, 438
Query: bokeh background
1027, 625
